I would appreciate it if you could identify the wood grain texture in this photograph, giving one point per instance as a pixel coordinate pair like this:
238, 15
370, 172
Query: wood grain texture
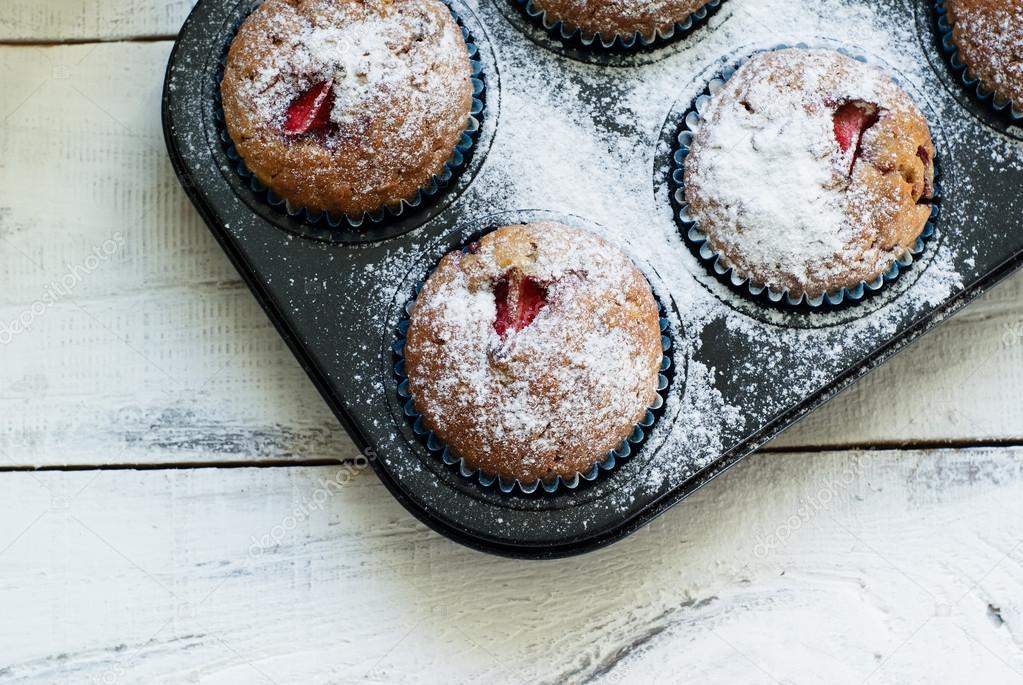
141, 346
183, 364
840, 567
158, 354
36, 21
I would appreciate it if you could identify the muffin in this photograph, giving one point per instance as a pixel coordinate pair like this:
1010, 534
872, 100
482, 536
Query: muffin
810, 172
989, 37
347, 106
624, 18
535, 353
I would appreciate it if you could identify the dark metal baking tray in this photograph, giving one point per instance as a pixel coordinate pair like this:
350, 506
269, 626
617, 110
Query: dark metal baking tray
341, 328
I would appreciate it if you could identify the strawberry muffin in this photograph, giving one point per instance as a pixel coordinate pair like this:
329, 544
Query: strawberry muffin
347, 106
625, 18
989, 37
810, 172
535, 353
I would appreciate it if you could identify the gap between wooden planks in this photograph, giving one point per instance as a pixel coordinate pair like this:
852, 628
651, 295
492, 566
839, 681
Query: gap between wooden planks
90, 20
314, 463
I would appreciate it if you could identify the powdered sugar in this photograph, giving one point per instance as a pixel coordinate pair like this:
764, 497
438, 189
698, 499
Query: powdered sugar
779, 195
367, 54
792, 212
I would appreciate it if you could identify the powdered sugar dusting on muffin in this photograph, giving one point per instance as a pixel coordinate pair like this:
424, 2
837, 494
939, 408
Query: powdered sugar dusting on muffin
367, 54
397, 79
553, 395
989, 36
783, 196
367, 59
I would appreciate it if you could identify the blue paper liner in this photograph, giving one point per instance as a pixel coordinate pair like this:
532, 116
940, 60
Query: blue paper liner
432, 443
368, 220
715, 262
565, 32
983, 95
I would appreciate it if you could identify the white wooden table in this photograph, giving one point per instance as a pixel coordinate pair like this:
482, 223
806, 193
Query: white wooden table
161, 455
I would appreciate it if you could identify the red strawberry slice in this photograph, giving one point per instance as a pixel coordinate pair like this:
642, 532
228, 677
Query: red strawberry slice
532, 298
851, 121
519, 299
310, 113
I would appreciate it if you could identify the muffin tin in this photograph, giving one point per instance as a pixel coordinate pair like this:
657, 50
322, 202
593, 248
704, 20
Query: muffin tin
587, 138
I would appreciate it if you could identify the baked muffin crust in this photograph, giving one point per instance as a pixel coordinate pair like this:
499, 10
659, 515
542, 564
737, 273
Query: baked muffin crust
536, 353
396, 81
624, 18
989, 36
810, 172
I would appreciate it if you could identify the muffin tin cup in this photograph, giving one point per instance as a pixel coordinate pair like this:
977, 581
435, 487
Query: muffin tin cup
628, 447
636, 41
976, 89
422, 197
717, 264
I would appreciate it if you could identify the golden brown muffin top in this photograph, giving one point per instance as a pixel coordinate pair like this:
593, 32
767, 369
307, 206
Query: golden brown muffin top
989, 36
536, 353
810, 171
395, 80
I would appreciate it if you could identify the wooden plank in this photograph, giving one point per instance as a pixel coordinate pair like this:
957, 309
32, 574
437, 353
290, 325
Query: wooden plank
835, 567
140, 343
959, 383
84, 20
158, 354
